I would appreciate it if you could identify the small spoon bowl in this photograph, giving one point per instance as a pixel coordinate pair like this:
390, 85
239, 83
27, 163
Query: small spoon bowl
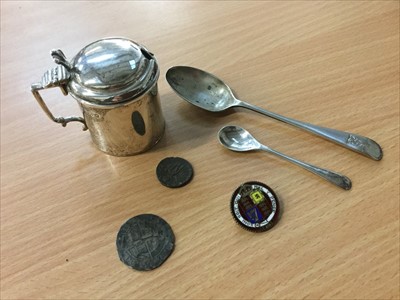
237, 139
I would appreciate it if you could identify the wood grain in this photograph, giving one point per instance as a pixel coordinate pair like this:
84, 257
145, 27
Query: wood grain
331, 63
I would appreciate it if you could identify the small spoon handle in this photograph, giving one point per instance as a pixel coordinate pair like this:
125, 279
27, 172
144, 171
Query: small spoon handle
355, 142
333, 177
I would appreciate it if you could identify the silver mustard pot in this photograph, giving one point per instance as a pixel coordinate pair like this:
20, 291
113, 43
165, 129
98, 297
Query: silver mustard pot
114, 81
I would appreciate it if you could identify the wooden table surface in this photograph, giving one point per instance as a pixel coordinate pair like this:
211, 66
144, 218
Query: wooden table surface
334, 64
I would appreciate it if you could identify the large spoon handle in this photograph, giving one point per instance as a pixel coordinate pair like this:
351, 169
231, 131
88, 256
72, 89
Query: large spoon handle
333, 177
351, 141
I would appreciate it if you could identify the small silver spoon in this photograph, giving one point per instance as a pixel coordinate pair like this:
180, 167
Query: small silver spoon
238, 139
210, 93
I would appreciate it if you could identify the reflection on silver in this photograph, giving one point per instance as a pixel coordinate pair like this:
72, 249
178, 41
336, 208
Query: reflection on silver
133, 64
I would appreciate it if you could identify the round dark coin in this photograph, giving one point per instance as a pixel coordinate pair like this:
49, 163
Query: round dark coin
144, 242
255, 206
174, 172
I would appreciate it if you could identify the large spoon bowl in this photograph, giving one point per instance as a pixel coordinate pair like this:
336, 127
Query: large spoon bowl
210, 93
201, 88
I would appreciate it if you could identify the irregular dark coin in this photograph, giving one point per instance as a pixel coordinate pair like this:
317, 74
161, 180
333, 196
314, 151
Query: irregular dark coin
174, 172
144, 242
255, 206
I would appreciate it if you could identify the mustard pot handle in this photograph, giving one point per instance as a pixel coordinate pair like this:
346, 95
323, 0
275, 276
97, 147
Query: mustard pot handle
56, 77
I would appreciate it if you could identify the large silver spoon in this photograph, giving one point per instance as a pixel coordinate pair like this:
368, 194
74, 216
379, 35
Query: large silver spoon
210, 93
238, 139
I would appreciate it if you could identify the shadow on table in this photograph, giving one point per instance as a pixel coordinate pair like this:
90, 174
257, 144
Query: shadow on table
188, 124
